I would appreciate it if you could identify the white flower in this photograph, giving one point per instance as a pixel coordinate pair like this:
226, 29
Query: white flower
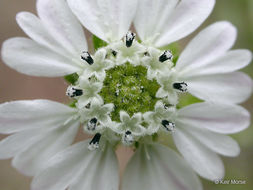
126, 93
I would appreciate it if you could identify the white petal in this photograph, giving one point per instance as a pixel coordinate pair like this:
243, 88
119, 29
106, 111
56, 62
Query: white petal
124, 117
186, 18
33, 159
151, 74
158, 167
107, 19
229, 62
14, 144
205, 162
62, 25
63, 168
28, 57
102, 173
161, 93
136, 118
222, 88
79, 168
36, 30
151, 15
22, 115
209, 44
224, 119
221, 144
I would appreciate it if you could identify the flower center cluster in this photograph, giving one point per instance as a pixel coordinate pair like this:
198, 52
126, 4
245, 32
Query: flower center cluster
127, 90
127, 87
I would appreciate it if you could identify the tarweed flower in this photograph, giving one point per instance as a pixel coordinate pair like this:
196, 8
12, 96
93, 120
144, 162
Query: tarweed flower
128, 92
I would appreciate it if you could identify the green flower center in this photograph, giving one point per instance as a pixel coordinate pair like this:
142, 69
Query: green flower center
127, 87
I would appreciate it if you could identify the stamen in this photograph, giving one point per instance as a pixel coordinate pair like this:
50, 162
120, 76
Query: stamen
167, 55
73, 91
182, 86
114, 53
87, 57
169, 126
146, 54
88, 106
92, 124
167, 106
94, 143
130, 36
128, 138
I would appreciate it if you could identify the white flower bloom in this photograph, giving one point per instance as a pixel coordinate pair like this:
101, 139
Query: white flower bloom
126, 93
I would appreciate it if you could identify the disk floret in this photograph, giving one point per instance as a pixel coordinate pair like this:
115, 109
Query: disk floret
127, 91
127, 87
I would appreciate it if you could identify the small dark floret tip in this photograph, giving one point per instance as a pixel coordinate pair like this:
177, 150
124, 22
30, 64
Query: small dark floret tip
128, 138
167, 55
94, 143
87, 57
169, 126
130, 36
181, 86
73, 91
92, 124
